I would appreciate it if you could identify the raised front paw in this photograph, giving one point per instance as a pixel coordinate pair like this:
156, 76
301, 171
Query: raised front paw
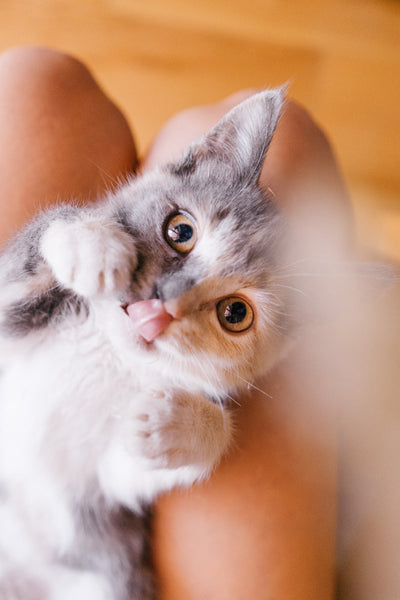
179, 429
90, 256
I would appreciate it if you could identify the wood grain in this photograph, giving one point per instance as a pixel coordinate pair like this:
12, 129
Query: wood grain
341, 57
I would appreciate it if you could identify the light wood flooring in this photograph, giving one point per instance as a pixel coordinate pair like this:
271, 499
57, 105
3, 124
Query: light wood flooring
341, 57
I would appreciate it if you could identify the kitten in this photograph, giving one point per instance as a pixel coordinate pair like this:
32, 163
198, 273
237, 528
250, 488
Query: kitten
125, 329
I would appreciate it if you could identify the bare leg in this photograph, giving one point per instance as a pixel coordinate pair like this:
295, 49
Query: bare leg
264, 525
62, 138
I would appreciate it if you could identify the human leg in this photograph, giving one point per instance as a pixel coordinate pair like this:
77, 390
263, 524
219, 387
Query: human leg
264, 525
287, 492
62, 138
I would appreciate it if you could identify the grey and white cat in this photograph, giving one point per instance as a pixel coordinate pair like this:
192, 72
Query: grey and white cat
126, 327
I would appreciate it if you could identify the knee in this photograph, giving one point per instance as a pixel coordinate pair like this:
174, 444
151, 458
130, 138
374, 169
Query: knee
53, 98
38, 73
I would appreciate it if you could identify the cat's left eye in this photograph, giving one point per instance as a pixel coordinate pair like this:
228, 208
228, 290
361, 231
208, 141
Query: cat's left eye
181, 233
235, 314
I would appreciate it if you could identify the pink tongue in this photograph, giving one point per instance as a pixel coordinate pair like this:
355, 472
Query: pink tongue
149, 318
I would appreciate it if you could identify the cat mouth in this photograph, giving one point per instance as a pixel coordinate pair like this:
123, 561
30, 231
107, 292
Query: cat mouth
150, 318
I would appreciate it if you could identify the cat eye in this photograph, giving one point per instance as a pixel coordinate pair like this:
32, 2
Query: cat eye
235, 314
181, 233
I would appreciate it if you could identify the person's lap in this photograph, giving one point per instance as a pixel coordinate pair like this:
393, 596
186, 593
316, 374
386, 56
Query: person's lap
263, 526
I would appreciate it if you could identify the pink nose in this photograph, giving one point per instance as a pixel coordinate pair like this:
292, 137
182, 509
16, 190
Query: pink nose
149, 317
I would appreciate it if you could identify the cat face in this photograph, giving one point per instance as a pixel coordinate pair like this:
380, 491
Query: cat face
209, 245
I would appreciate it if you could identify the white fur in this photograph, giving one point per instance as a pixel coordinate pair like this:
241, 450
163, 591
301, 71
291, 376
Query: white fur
89, 255
75, 410
114, 452
87, 410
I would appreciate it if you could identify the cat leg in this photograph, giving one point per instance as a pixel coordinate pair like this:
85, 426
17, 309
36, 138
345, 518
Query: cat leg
168, 430
179, 428
170, 439
90, 255
84, 251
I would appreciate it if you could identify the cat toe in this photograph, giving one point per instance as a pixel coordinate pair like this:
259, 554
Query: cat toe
89, 257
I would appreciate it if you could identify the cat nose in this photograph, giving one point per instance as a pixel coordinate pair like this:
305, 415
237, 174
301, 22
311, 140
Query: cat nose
149, 317
174, 308
174, 286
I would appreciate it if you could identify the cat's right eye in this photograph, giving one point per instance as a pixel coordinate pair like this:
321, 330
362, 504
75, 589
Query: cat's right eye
181, 233
235, 314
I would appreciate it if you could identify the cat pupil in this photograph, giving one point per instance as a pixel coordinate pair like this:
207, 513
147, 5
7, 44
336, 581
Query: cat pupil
180, 233
235, 312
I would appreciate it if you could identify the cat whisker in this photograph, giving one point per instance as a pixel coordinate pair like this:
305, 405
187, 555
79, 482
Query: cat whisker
107, 177
321, 262
232, 399
254, 387
299, 274
201, 363
169, 204
292, 288
313, 275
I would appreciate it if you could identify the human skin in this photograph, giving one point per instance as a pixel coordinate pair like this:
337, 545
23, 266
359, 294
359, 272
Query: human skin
61, 137
263, 526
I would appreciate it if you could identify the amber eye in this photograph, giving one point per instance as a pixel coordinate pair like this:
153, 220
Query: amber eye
235, 314
180, 233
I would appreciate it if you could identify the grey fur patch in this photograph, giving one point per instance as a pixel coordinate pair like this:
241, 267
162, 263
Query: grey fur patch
117, 544
178, 280
32, 314
186, 167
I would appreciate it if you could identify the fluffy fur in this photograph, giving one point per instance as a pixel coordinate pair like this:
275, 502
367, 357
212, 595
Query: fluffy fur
94, 421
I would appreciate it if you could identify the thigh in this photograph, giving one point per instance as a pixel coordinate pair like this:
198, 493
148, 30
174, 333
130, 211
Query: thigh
62, 138
264, 525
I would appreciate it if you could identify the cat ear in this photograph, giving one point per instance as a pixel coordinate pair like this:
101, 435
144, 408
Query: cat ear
241, 139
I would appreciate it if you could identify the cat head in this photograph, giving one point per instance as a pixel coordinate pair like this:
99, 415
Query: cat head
209, 245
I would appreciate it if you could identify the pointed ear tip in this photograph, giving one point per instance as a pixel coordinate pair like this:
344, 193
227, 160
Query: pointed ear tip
274, 96
278, 93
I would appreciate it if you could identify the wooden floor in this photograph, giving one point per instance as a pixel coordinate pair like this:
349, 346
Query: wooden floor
341, 57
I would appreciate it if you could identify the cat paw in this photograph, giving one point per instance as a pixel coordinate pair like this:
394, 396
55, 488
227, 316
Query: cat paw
182, 430
90, 256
